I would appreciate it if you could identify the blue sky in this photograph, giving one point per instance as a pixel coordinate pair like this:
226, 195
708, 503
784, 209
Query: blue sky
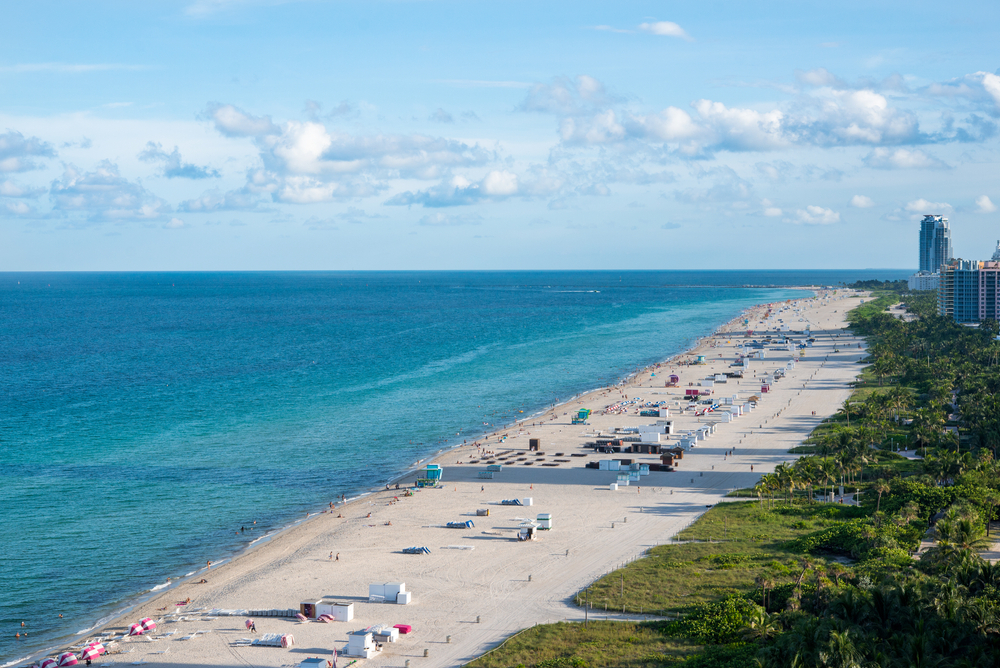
241, 134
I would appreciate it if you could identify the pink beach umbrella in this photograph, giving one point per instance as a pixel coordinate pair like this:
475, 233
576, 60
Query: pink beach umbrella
67, 659
148, 624
135, 630
91, 654
49, 663
97, 646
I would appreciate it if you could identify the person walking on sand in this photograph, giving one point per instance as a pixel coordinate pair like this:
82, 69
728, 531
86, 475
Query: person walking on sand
331, 556
338, 557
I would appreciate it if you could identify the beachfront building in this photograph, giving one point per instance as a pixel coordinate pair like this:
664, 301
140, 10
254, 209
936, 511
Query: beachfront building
923, 280
968, 290
935, 250
935, 242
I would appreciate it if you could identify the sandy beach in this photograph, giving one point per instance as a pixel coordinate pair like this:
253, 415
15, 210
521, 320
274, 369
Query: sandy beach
478, 585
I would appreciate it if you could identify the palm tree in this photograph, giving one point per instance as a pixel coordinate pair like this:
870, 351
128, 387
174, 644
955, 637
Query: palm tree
881, 487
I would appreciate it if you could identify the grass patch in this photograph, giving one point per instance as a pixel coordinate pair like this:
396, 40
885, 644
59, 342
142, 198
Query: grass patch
600, 644
730, 546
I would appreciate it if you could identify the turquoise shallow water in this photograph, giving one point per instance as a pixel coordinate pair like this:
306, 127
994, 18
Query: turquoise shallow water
146, 417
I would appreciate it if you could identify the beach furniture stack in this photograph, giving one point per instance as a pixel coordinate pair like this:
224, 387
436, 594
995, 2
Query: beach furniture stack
416, 550
274, 640
314, 662
544, 521
482, 512
468, 524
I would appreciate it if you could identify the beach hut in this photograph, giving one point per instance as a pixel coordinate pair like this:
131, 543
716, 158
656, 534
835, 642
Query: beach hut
527, 532
534, 444
67, 659
361, 644
674, 379
544, 521
314, 662
147, 624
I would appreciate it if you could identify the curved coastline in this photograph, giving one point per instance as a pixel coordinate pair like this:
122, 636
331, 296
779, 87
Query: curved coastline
234, 559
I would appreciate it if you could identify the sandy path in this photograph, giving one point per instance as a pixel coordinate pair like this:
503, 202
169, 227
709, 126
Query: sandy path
451, 587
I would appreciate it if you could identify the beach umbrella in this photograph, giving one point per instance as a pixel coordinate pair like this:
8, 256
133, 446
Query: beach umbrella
148, 624
67, 659
91, 654
135, 630
49, 663
97, 646
249, 623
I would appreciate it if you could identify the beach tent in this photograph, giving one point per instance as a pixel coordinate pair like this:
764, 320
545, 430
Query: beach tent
148, 624
67, 659
136, 630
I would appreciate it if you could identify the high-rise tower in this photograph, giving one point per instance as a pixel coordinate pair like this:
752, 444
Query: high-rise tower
935, 242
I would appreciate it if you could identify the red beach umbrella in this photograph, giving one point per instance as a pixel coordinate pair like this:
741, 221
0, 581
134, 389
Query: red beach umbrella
67, 659
49, 663
148, 624
97, 646
91, 654
135, 630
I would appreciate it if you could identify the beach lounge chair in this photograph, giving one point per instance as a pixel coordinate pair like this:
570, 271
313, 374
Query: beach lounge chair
460, 525
510, 502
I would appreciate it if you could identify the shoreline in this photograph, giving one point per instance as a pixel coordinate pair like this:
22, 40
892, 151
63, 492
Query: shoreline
160, 592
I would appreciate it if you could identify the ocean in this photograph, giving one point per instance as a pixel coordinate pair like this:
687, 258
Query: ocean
146, 417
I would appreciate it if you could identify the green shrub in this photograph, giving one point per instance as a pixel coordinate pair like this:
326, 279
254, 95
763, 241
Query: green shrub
716, 623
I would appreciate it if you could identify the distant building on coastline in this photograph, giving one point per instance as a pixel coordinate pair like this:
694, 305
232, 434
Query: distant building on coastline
935, 242
935, 250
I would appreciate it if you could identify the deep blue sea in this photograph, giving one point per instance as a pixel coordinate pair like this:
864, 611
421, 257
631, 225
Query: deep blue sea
144, 417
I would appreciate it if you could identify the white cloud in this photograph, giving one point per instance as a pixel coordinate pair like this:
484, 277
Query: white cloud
105, 195
242, 199
173, 167
174, 224
922, 206
10, 189
450, 220
496, 185
234, 122
816, 215
17, 208
16, 152
862, 202
902, 158
665, 29
985, 205
772, 211
500, 184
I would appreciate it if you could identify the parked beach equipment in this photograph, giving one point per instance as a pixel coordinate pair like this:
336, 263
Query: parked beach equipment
460, 525
148, 624
510, 502
416, 550
67, 659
